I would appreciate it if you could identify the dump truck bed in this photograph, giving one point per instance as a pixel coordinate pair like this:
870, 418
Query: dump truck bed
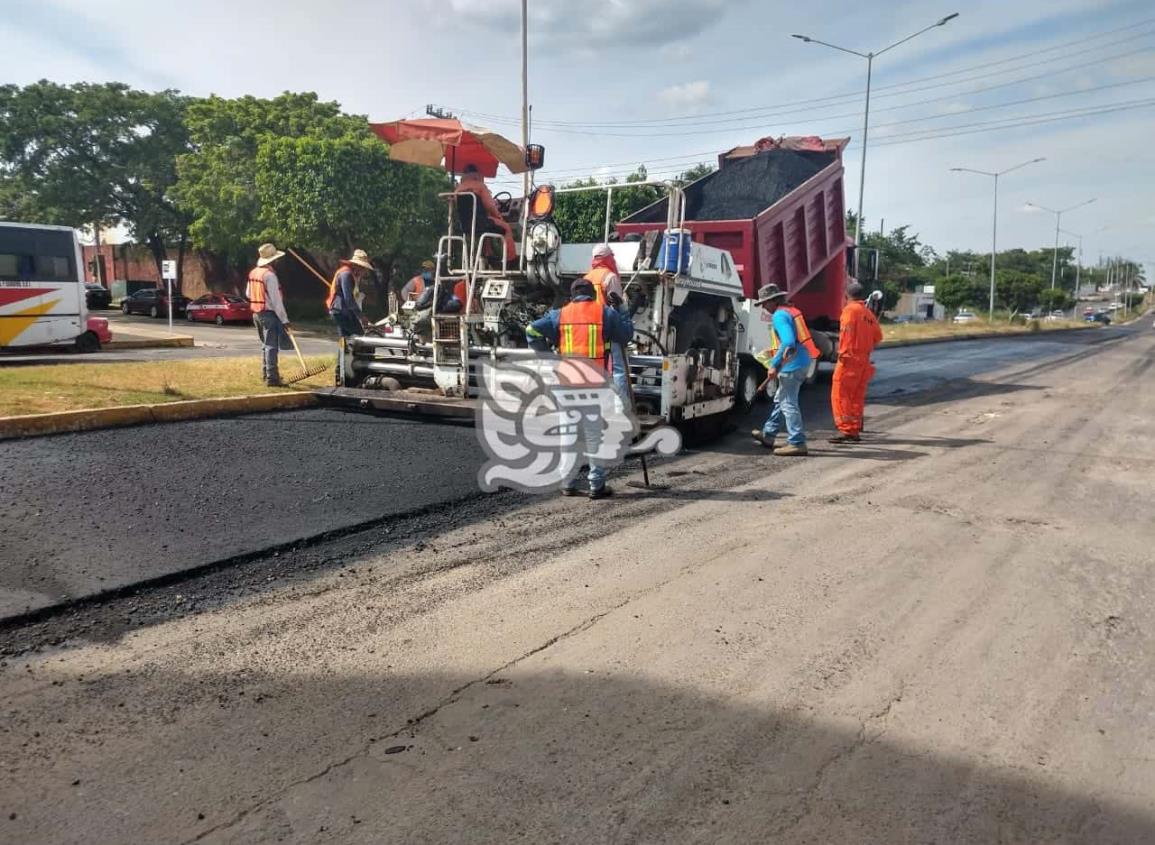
778, 208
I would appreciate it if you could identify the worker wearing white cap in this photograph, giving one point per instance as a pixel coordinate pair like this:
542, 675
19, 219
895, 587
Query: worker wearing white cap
607, 284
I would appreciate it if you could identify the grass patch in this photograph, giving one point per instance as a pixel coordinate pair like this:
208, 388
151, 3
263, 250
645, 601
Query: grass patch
929, 330
70, 387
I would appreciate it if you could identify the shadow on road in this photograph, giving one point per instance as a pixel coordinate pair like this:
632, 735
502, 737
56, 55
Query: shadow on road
535, 756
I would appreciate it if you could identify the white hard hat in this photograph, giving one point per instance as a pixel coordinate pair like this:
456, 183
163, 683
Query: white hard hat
602, 250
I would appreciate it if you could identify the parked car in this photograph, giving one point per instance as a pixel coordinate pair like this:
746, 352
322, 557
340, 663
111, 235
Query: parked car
1100, 317
908, 318
965, 316
219, 308
1057, 315
153, 302
97, 297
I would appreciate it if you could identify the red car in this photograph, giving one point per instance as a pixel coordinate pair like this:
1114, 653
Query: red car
219, 308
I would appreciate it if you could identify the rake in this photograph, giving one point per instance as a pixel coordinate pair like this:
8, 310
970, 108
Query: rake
306, 372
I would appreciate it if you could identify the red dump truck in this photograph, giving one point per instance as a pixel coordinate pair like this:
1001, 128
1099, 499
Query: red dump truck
777, 207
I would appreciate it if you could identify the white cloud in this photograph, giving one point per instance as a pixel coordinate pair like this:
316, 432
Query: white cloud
687, 98
592, 23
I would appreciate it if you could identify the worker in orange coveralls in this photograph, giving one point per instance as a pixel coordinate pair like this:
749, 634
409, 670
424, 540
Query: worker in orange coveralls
858, 334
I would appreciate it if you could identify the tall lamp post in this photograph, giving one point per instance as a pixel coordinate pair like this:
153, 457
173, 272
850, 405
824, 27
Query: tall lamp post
870, 57
1058, 217
995, 221
1078, 272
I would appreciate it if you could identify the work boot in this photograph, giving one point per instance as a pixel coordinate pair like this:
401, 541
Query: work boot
761, 437
274, 382
790, 450
569, 491
846, 438
603, 492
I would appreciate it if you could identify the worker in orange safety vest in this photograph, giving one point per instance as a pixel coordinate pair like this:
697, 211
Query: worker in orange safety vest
584, 329
489, 217
341, 303
858, 334
417, 285
264, 294
801, 330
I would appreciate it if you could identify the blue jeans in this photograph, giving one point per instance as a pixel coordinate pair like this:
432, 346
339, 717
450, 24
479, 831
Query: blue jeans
272, 333
787, 412
619, 368
590, 433
347, 324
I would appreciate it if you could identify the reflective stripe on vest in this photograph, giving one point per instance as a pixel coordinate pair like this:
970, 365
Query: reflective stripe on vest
598, 276
801, 330
580, 332
255, 290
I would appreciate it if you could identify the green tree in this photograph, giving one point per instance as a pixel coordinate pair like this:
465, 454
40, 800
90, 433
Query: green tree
1016, 290
218, 178
94, 154
891, 293
338, 194
1054, 299
697, 172
954, 292
581, 216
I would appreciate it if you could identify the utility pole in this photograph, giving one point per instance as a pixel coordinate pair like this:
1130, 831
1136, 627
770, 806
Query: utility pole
525, 90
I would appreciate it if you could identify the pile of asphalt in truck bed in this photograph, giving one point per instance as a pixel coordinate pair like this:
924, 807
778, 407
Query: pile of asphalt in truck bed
743, 188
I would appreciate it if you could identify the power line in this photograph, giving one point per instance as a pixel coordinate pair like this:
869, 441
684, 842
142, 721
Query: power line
717, 128
1060, 95
831, 100
952, 131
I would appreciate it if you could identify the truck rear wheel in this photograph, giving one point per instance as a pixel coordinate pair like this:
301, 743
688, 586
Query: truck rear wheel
750, 375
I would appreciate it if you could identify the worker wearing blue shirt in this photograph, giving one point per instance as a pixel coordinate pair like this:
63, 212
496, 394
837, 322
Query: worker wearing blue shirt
789, 361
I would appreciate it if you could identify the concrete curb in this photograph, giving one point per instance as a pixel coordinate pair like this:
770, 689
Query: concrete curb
35, 425
145, 343
897, 344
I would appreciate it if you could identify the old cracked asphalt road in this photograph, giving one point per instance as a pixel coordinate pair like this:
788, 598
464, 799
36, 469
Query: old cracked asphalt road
944, 635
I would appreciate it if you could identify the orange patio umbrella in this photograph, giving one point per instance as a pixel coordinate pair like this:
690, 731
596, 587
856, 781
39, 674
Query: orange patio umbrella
449, 143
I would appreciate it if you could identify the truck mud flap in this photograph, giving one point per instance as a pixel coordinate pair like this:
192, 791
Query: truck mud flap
408, 402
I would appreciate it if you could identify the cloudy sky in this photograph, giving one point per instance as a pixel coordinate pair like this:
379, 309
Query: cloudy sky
617, 83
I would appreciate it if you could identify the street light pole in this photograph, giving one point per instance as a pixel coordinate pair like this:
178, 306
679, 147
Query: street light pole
1078, 273
862, 167
1058, 216
870, 57
995, 219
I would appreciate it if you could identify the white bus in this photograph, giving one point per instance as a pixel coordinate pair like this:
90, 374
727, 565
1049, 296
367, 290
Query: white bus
42, 288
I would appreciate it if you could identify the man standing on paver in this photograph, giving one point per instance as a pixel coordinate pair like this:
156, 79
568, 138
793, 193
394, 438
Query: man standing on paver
789, 365
264, 293
858, 334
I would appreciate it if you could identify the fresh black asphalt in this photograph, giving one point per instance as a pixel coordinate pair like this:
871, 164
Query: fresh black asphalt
81, 514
